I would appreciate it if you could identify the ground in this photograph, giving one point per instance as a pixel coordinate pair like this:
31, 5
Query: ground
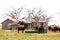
13, 35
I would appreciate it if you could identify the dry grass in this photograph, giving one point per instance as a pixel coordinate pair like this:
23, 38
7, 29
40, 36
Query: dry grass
13, 35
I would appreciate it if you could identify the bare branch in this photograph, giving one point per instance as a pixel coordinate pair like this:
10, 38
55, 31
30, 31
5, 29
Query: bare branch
14, 13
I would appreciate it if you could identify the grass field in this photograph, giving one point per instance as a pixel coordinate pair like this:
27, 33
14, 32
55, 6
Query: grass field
13, 35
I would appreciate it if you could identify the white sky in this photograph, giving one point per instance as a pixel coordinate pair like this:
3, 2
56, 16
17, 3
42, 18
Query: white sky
52, 7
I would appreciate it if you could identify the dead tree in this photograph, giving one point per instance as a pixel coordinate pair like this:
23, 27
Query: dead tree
14, 13
34, 15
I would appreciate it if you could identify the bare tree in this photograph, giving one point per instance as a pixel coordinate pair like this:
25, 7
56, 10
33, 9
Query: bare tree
36, 14
46, 18
14, 13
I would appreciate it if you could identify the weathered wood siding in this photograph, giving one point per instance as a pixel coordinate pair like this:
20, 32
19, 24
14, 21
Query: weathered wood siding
4, 24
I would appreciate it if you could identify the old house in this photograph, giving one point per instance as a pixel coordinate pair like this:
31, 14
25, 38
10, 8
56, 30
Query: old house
7, 22
14, 24
38, 24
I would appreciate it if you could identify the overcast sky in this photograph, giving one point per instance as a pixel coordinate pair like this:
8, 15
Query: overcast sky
52, 7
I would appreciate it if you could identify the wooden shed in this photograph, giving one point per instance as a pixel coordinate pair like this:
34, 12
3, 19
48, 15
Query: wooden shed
13, 22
